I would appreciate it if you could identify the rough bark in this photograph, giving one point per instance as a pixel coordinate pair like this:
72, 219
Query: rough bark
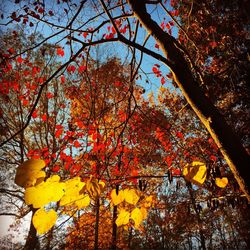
229, 144
114, 229
97, 218
32, 239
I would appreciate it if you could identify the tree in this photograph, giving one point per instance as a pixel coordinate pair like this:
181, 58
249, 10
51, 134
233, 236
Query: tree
107, 138
184, 71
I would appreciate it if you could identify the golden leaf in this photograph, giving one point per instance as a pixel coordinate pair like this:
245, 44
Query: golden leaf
43, 221
73, 188
117, 199
148, 201
93, 188
137, 216
123, 218
130, 196
28, 173
45, 192
221, 182
196, 172
83, 201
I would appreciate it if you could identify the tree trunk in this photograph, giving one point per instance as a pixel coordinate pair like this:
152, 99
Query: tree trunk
114, 226
32, 239
114, 229
227, 141
197, 213
97, 218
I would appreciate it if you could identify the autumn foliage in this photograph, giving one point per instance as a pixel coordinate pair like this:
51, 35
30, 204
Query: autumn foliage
103, 150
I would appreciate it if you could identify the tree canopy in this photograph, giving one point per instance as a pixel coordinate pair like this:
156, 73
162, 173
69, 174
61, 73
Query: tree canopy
124, 124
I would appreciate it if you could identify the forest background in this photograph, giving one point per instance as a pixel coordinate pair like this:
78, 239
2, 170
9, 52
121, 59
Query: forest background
125, 124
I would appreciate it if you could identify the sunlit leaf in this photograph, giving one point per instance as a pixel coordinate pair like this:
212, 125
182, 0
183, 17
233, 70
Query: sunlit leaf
148, 201
93, 188
43, 221
29, 172
123, 218
137, 216
130, 196
196, 172
73, 194
221, 182
82, 201
50, 191
117, 199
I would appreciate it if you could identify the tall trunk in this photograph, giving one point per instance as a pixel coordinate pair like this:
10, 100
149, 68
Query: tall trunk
197, 213
32, 239
114, 226
97, 218
227, 141
114, 229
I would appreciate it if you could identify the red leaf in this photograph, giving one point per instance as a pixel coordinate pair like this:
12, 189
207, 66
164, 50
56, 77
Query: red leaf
34, 114
179, 135
19, 59
56, 168
117, 84
49, 95
113, 30
213, 44
77, 144
58, 133
81, 69
213, 158
85, 34
44, 117
62, 79
25, 102
60, 52
71, 69
163, 81
157, 46
41, 10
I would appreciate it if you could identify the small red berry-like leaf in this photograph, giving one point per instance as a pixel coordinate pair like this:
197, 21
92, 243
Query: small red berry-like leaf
49, 95
58, 133
19, 59
44, 117
81, 69
213, 158
77, 144
213, 44
157, 46
71, 69
60, 52
163, 81
62, 79
85, 34
56, 168
51, 13
34, 114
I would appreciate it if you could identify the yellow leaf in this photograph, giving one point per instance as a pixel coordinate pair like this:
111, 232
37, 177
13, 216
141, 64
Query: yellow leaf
137, 216
130, 196
73, 195
196, 172
117, 199
82, 202
28, 173
43, 221
93, 188
123, 218
221, 182
144, 212
148, 201
45, 192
